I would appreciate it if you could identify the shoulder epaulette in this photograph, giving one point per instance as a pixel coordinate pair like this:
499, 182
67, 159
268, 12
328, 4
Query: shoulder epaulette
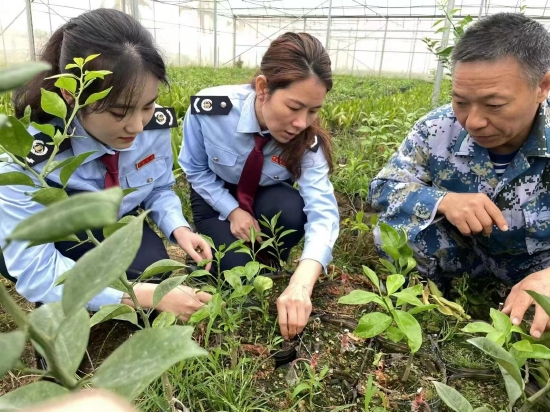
315, 145
164, 118
211, 105
42, 148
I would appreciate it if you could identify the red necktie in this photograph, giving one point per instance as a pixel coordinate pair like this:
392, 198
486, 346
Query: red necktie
111, 163
251, 174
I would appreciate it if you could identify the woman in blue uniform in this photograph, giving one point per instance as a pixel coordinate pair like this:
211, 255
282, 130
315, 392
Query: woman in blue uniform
243, 148
130, 138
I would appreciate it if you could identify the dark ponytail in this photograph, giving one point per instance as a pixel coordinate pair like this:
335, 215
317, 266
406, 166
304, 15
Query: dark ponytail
126, 48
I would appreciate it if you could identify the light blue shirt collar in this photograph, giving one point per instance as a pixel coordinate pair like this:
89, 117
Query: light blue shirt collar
248, 122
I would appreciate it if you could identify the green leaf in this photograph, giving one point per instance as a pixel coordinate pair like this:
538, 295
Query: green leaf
301, 387
388, 265
262, 283
15, 178
102, 265
49, 196
502, 357
543, 301
47, 129
162, 266
497, 337
513, 389
165, 287
107, 312
28, 395
372, 276
241, 291
372, 324
389, 236
142, 359
70, 334
71, 66
70, 166
478, 327
15, 138
501, 322
420, 309
16, 76
483, 409
96, 74
67, 83
163, 320
79, 61
410, 327
452, 398
361, 297
409, 298
251, 269
124, 220
531, 351
59, 164
91, 57
97, 96
78, 213
53, 104
233, 277
394, 282
392, 251
199, 315
394, 334
13, 345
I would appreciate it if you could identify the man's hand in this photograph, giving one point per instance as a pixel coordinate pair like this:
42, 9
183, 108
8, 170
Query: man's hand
518, 301
241, 222
194, 245
472, 213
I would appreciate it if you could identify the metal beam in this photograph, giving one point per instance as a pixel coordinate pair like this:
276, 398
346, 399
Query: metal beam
216, 34
30, 29
439, 72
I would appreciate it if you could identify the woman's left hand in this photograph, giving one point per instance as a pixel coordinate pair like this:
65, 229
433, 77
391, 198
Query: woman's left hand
194, 245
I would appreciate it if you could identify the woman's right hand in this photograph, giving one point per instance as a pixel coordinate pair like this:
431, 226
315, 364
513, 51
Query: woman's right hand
241, 222
182, 301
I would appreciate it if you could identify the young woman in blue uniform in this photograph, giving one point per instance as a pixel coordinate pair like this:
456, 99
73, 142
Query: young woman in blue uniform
131, 140
243, 148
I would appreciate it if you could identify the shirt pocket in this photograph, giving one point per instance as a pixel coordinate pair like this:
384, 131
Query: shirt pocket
148, 174
273, 173
222, 162
537, 223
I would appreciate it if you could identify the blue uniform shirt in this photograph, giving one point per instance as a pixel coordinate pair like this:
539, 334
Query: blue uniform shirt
215, 148
37, 268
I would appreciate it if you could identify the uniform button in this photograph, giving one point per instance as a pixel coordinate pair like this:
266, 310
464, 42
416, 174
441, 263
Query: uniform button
215, 159
150, 180
276, 177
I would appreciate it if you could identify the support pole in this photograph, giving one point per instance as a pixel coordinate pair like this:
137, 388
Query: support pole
327, 42
383, 48
134, 9
215, 34
481, 9
234, 40
30, 30
444, 41
414, 48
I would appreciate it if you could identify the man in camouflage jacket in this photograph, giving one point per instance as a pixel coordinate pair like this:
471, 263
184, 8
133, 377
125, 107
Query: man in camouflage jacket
471, 183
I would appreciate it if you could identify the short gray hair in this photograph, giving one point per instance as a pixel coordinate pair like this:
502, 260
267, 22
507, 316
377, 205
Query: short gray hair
507, 35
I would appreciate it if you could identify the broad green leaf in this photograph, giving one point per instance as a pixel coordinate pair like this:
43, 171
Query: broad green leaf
3, 120
49, 196
16, 76
393, 252
97, 96
78, 213
15, 138
394, 282
241, 291
236, 244
233, 277
388, 265
299, 388
130, 317
410, 327
251, 269
483, 409
531, 351
91, 57
124, 220
31, 394
394, 334
71, 66
265, 244
67, 83
389, 236
411, 264
478, 327
109, 312
96, 74
523, 346
165, 287
414, 290
286, 232
163, 320
102, 265
71, 165
262, 283
513, 389
199, 315
70, 333
142, 358
502, 357
59, 164
434, 290
162, 266
501, 322
79, 61
361, 297
53, 104
420, 309
497, 337
372, 324
47, 129
543, 301
13, 345
372, 276
15, 178
452, 398
409, 298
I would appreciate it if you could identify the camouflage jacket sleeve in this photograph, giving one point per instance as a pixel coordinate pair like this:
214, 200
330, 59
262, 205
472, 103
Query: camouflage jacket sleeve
402, 193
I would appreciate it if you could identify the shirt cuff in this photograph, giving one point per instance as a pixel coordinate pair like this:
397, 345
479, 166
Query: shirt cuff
319, 252
108, 296
170, 223
226, 205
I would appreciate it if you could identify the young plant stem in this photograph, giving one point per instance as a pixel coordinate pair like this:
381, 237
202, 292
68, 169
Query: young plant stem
26, 167
530, 402
405, 377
